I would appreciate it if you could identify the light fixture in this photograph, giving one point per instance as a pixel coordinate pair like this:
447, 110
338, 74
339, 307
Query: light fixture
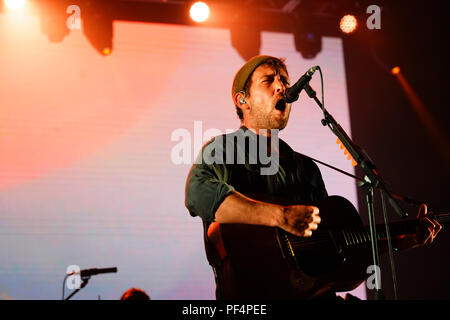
199, 11
14, 4
348, 23
395, 70
246, 40
98, 26
308, 43
53, 21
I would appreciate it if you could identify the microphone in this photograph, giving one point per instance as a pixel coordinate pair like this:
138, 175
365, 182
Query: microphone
95, 271
291, 94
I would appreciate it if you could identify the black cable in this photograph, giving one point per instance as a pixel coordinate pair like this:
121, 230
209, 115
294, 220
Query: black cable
322, 89
390, 249
64, 284
334, 168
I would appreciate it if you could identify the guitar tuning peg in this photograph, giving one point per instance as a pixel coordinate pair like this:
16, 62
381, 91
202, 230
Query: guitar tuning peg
349, 156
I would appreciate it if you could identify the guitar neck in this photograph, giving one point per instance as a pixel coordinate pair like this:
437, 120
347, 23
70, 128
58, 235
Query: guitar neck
357, 236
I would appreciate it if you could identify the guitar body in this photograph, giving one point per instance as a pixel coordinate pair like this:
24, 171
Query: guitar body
259, 262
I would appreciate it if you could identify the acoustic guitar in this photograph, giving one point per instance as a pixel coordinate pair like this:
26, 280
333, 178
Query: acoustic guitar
259, 262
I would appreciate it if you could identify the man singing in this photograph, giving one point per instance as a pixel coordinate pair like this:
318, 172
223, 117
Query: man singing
231, 191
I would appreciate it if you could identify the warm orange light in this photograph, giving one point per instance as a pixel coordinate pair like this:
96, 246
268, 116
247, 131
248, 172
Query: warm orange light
437, 135
107, 51
199, 11
395, 70
348, 23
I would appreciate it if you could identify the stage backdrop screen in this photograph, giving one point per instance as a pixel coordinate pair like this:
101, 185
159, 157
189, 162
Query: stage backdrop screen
87, 169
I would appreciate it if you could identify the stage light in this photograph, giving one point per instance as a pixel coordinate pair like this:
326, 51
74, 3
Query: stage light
348, 23
14, 4
308, 43
53, 21
98, 26
307, 37
199, 11
97, 23
246, 40
395, 70
430, 123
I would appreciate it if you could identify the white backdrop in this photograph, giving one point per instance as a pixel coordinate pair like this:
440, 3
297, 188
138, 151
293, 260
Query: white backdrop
86, 176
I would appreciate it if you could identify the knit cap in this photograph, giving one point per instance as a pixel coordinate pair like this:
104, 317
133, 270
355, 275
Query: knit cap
245, 71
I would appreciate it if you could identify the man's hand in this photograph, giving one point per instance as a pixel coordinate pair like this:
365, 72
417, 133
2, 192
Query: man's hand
426, 231
300, 220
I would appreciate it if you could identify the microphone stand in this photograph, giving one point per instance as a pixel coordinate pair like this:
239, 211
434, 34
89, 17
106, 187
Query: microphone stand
395, 195
83, 284
372, 180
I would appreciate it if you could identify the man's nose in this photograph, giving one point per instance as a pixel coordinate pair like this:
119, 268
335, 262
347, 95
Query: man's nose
279, 85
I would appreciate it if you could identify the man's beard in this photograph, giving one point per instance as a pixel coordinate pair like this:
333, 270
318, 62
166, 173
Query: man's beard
267, 121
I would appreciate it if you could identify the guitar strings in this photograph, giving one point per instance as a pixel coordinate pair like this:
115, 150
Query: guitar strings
350, 236
354, 236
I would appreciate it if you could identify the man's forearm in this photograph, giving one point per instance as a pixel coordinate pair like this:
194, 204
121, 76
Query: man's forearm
237, 208
300, 220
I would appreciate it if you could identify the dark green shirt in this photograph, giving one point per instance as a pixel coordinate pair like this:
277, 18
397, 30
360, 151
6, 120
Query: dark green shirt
210, 181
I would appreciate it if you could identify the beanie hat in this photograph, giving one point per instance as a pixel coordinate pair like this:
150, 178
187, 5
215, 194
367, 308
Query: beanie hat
245, 71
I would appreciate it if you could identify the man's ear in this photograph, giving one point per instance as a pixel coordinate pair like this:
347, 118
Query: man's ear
240, 101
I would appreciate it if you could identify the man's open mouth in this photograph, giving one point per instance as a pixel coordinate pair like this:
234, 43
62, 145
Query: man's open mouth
281, 105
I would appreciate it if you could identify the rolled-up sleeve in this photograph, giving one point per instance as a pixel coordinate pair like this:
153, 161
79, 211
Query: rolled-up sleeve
206, 188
